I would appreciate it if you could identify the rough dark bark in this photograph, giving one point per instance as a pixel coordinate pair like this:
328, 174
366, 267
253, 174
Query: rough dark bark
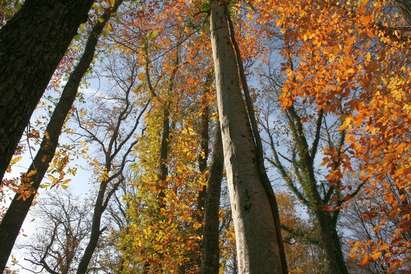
330, 242
202, 159
31, 46
165, 132
327, 220
104, 195
405, 8
202, 167
163, 164
164, 144
18, 209
194, 255
95, 230
163, 153
210, 252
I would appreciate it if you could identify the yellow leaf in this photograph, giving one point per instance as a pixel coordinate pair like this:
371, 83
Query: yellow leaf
16, 159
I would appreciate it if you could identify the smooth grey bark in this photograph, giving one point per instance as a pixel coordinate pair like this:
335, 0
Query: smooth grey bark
257, 241
210, 252
258, 143
31, 46
18, 209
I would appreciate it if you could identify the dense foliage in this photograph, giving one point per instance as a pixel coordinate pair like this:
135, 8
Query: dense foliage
308, 102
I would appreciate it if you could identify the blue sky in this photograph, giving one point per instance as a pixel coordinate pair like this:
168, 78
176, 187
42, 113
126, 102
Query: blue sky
80, 185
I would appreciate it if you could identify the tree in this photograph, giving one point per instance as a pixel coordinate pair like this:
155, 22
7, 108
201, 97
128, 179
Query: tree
304, 254
111, 260
112, 126
64, 230
210, 257
361, 221
351, 61
170, 180
372, 226
256, 221
164, 210
18, 209
295, 161
7, 10
31, 46
316, 91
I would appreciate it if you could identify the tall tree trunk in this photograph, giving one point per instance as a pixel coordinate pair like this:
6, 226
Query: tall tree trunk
164, 148
330, 242
194, 254
95, 230
405, 7
329, 239
163, 165
210, 252
18, 209
203, 157
31, 46
165, 135
202, 167
257, 140
259, 246
165, 132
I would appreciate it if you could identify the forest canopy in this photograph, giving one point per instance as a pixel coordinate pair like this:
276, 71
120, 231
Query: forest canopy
205, 136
